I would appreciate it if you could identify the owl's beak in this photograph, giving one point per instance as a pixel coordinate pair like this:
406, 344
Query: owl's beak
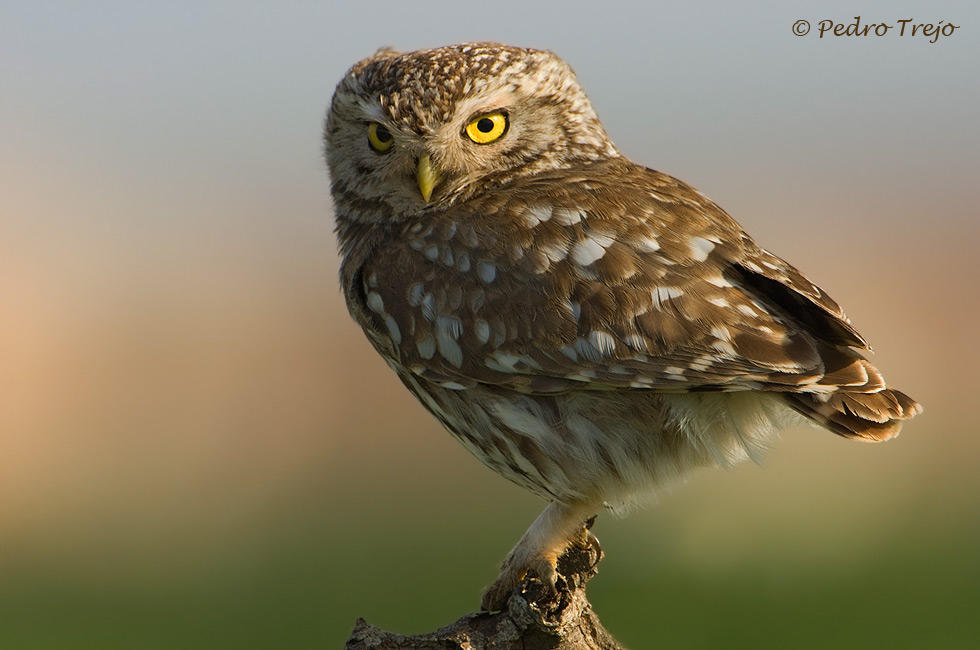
427, 176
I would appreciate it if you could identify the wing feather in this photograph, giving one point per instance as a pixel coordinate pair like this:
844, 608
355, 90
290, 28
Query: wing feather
614, 277
624, 280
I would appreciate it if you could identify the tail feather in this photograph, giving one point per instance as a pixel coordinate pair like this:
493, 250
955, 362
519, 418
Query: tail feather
873, 417
851, 398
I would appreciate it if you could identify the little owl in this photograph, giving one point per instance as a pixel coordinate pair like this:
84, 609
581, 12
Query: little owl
589, 328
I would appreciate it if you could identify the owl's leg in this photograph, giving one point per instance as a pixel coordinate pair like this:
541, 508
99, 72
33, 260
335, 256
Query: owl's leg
557, 528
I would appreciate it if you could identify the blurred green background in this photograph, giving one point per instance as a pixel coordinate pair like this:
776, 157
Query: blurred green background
199, 450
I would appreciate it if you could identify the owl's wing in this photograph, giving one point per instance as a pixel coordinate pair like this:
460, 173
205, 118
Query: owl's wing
616, 278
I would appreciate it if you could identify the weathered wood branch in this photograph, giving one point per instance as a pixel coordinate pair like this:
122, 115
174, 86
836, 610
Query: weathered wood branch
536, 618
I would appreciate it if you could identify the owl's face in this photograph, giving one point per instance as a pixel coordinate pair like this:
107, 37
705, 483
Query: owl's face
406, 132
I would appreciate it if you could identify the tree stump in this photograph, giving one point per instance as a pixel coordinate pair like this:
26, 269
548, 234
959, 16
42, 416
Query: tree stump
536, 618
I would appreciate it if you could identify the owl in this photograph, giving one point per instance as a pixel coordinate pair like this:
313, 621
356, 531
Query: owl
589, 328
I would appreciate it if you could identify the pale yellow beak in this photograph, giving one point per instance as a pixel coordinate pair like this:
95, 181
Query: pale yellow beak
427, 176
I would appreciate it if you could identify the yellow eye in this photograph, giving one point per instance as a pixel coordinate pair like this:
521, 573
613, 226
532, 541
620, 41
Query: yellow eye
379, 137
487, 128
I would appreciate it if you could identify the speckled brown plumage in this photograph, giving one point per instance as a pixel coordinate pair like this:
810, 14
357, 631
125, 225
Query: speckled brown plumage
587, 327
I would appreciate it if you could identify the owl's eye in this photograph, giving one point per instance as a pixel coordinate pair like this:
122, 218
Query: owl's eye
487, 128
379, 137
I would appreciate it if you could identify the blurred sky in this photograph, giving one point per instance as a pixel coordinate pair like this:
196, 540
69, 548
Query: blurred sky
178, 375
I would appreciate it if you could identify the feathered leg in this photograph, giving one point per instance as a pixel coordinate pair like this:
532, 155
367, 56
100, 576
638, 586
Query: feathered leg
551, 534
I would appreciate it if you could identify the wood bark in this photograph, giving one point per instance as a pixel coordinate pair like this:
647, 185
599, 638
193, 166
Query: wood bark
536, 618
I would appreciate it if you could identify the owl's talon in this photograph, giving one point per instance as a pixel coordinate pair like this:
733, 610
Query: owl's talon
512, 576
593, 543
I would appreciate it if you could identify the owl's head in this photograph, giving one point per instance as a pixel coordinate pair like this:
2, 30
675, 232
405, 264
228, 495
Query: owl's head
411, 131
